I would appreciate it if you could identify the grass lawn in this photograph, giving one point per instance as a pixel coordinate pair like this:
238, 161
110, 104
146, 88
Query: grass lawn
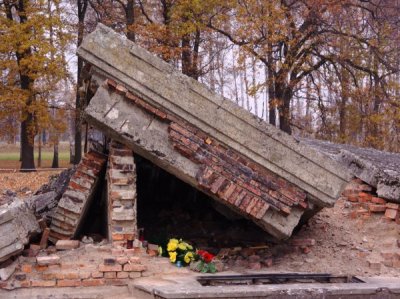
9, 156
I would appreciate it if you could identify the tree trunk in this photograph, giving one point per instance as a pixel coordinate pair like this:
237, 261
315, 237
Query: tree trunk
82, 6
130, 19
39, 159
26, 82
284, 96
342, 104
27, 144
55, 155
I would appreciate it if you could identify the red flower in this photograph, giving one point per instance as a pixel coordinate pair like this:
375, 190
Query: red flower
208, 257
205, 256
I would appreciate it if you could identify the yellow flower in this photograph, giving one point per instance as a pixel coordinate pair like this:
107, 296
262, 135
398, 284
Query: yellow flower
160, 250
188, 257
172, 257
182, 246
172, 245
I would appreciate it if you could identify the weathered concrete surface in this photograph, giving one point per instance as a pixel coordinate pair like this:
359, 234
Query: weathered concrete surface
17, 224
188, 287
157, 83
377, 168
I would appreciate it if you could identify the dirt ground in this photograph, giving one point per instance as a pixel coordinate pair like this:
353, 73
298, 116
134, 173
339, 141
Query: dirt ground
344, 243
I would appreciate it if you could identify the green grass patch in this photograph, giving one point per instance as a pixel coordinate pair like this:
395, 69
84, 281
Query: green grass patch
46, 155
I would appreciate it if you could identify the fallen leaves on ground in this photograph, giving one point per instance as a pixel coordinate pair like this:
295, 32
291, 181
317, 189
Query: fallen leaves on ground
24, 183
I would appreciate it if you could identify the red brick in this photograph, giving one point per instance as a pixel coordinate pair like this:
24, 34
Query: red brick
122, 274
43, 283
110, 83
40, 268
49, 275
217, 184
391, 214
364, 197
120, 89
352, 198
84, 274
393, 206
134, 267
67, 244
378, 200
48, 260
375, 208
26, 268
93, 282
110, 275
70, 275
97, 274
69, 283
111, 268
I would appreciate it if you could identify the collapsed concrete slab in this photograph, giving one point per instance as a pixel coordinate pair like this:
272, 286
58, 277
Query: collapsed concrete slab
206, 140
377, 168
17, 225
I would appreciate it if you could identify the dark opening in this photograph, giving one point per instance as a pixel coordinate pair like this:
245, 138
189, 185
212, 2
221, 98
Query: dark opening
281, 278
168, 207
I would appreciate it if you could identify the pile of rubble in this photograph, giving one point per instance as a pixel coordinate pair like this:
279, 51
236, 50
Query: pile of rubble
364, 201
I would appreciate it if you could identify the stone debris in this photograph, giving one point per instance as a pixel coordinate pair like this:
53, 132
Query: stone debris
378, 169
7, 269
17, 225
249, 166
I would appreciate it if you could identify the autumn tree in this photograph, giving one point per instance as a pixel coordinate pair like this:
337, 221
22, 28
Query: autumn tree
295, 39
30, 65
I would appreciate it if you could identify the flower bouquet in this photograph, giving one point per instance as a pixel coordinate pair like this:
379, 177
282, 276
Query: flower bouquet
179, 252
204, 262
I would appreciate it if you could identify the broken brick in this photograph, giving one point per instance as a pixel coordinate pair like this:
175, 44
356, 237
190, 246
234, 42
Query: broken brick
378, 200
391, 213
67, 244
393, 206
48, 260
375, 208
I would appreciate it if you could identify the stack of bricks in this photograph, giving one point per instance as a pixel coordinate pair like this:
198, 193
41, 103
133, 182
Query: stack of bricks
229, 176
90, 267
365, 201
76, 199
122, 267
121, 179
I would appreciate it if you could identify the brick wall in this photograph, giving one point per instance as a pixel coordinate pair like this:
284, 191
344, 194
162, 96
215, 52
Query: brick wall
77, 197
121, 182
